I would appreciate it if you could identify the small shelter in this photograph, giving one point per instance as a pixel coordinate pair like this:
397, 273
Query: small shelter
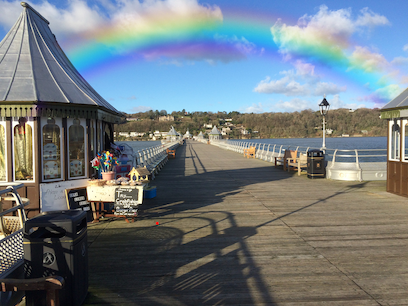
52, 122
396, 112
188, 135
215, 134
172, 135
200, 135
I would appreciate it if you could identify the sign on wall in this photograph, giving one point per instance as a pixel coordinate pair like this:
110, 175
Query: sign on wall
52, 195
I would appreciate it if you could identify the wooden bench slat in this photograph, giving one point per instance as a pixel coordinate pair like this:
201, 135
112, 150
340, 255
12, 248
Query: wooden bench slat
250, 152
289, 154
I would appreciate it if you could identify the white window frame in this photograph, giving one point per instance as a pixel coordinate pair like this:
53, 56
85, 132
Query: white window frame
70, 122
58, 121
391, 139
3, 124
14, 123
404, 155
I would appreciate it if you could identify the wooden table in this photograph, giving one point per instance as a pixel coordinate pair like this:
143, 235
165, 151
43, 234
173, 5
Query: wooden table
125, 200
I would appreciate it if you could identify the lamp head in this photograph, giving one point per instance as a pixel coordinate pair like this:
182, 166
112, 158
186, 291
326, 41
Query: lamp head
324, 107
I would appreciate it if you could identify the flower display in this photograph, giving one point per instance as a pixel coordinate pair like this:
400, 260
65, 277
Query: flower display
104, 161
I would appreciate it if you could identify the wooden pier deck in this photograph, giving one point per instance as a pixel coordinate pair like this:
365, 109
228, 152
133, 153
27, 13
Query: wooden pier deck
237, 231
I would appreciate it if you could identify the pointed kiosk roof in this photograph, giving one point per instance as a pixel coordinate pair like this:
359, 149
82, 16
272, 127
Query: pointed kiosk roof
37, 78
172, 132
215, 131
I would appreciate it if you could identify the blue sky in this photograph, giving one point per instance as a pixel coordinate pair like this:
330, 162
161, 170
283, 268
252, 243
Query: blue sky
232, 55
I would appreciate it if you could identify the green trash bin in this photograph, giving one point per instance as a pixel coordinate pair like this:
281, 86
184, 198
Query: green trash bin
55, 243
315, 164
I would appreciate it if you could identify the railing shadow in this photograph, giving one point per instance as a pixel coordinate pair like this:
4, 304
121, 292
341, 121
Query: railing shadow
209, 263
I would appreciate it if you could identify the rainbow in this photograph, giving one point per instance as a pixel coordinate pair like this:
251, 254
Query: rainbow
234, 36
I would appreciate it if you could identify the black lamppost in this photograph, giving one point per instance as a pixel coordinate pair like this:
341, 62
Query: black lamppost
324, 108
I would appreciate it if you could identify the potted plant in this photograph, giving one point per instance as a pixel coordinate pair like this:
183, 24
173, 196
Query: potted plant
104, 162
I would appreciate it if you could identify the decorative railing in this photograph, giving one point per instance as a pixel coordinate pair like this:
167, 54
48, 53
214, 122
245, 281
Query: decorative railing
356, 164
152, 156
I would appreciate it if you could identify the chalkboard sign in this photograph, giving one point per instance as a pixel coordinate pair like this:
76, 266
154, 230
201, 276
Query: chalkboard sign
126, 201
77, 199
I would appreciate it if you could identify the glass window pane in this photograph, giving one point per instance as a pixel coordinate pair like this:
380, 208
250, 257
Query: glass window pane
395, 141
76, 144
51, 150
406, 141
23, 150
2, 153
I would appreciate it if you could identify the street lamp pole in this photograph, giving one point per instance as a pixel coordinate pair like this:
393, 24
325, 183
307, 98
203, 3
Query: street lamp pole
324, 108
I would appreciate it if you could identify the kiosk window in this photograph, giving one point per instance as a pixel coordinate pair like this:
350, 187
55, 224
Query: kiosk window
23, 151
2, 153
51, 149
76, 149
395, 140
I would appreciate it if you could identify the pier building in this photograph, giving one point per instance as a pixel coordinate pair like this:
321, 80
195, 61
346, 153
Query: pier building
215, 134
52, 122
396, 112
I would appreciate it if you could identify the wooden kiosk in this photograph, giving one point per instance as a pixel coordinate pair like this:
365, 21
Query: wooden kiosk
396, 112
52, 122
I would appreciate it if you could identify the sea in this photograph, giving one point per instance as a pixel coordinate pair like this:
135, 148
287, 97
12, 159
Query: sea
332, 143
362, 144
341, 143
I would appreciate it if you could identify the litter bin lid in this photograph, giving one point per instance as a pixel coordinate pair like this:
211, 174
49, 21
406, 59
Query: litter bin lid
58, 216
315, 152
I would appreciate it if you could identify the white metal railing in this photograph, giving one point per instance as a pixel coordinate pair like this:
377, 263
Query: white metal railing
153, 158
356, 164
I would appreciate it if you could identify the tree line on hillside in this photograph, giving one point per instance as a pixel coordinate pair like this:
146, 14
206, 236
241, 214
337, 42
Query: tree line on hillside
303, 124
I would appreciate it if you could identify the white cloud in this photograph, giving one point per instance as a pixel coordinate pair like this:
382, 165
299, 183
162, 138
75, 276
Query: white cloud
371, 62
370, 19
405, 48
77, 17
323, 88
128, 15
389, 92
254, 108
400, 60
140, 108
303, 68
286, 86
9, 13
324, 36
302, 82
336, 102
293, 105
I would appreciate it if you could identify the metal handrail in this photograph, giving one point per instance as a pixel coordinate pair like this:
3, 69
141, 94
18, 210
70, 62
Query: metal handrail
276, 149
356, 154
12, 195
21, 202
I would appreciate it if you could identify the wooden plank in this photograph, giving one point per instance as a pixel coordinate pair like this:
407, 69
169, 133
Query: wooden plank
233, 230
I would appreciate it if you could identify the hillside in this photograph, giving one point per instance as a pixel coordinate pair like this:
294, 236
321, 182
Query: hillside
306, 123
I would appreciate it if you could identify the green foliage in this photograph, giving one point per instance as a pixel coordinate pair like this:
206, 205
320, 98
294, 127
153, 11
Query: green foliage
306, 123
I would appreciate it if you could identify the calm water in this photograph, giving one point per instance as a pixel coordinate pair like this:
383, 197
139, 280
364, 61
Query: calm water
139, 145
340, 143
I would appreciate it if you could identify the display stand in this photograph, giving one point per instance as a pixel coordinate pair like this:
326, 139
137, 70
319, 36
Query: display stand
125, 200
